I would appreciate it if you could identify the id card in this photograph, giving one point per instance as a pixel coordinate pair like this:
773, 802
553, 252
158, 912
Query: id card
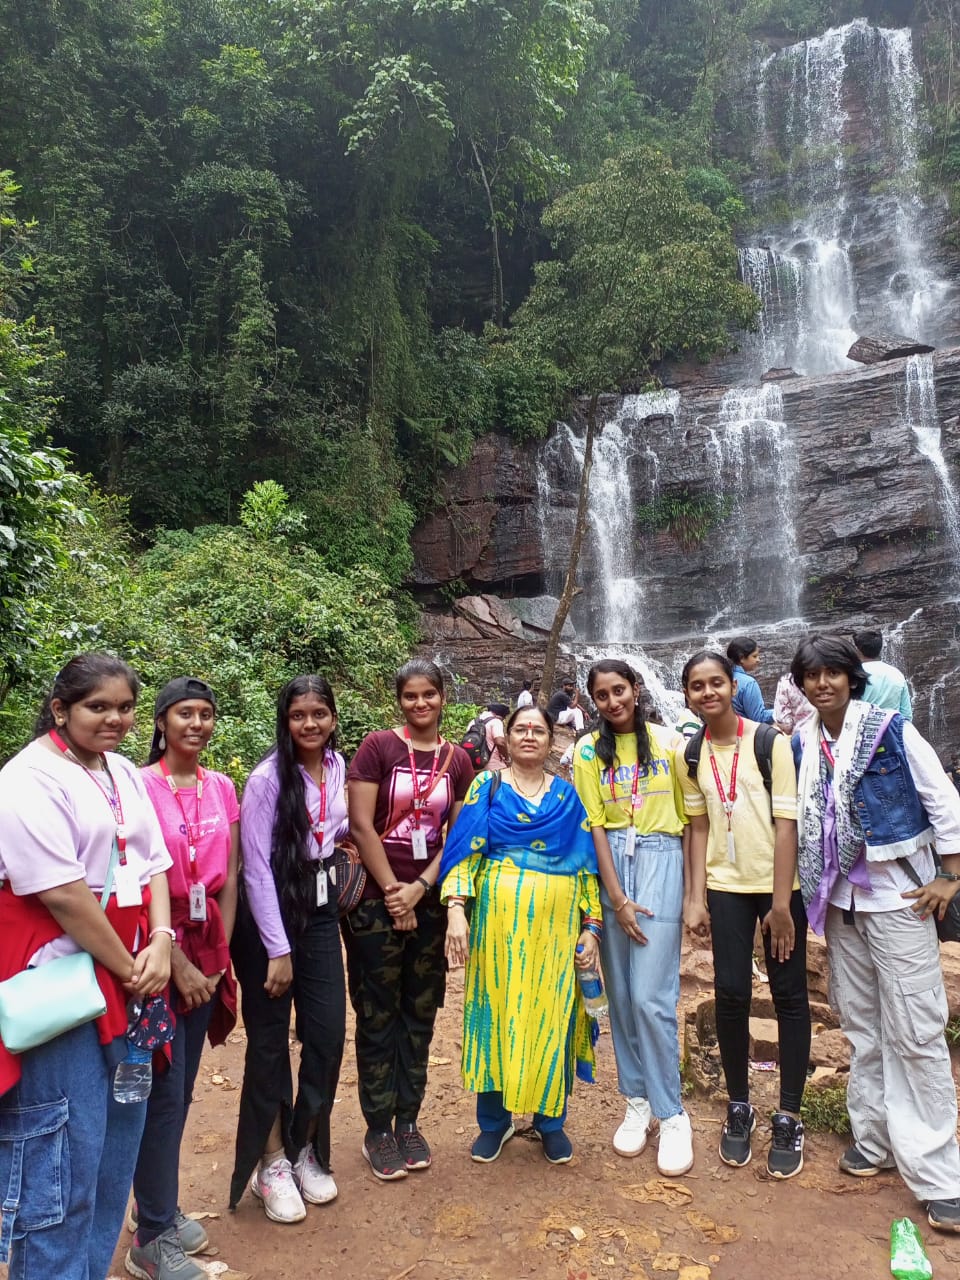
630, 848
198, 902
322, 889
419, 840
731, 847
126, 885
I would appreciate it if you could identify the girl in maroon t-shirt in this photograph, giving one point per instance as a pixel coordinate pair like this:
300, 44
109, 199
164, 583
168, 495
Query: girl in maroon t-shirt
405, 784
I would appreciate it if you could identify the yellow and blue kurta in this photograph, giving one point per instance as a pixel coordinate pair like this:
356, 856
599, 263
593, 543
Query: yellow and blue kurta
532, 873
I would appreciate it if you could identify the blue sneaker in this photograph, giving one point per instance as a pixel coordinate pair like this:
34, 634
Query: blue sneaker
557, 1147
488, 1145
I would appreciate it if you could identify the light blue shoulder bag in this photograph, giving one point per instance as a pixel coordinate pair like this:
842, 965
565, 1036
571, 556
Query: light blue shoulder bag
39, 1004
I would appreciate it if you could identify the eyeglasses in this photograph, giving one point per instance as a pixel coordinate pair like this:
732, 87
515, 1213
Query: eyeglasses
524, 730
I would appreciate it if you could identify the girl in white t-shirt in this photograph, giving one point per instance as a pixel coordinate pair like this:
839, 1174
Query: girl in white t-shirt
66, 802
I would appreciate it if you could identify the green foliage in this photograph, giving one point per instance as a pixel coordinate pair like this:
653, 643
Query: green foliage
642, 273
265, 512
688, 517
824, 1110
240, 607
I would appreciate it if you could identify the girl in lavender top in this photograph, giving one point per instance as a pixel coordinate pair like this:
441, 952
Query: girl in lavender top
286, 949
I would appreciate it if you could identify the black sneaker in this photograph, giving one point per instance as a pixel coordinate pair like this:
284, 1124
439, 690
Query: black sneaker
412, 1145
382, 1154
854, 1162
735, 1136
557, 1147
785, 1157
489, 1143
944, 1215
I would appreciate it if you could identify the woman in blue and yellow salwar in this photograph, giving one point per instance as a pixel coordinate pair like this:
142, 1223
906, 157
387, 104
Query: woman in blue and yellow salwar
521, 849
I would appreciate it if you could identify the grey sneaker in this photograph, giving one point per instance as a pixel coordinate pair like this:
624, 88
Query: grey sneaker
162, 1259
193, 1236
944, 1215
854, 1162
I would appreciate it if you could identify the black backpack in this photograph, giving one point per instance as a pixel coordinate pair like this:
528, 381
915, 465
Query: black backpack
763, 741
474, 743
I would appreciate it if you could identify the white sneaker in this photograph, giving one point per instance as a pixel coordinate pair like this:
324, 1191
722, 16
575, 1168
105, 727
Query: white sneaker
638, 1123
316, 1186
274, 1185
675, 1156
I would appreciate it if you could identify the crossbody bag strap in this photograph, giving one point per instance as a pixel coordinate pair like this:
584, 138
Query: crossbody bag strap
436, 782
108, 883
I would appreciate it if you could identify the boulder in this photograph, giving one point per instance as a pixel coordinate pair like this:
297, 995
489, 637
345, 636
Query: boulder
489, 616
830, 1049
885, 346
778, 375
764, 1040
537, 614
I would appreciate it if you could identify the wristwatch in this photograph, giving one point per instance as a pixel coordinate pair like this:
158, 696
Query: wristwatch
946, 875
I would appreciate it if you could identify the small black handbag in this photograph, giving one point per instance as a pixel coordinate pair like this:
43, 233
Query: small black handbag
948, 929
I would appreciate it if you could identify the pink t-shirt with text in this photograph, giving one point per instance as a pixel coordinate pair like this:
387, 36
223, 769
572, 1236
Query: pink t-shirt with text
218, 809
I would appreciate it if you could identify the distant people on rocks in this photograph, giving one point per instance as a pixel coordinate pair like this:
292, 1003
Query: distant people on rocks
886, 684
525, 696
496, 735
744, 653
740, 792
873, 799
564, 707
521, 852
791, 707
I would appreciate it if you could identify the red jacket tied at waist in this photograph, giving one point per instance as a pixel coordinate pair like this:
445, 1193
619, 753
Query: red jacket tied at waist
204, 943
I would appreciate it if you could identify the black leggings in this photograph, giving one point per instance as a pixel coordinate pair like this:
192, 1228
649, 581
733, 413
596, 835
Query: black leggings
733, 921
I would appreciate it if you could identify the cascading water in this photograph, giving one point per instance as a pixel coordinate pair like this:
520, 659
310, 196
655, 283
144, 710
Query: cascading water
920, 413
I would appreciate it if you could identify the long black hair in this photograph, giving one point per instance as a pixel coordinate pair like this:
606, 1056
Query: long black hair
78, 678
293, 873
607, 741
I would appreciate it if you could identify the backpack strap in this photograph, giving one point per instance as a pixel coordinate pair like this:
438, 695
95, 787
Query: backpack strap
763, 741
691, 752
494, 786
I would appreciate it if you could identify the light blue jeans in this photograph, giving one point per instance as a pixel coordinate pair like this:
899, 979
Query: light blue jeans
643, 981
67, 1152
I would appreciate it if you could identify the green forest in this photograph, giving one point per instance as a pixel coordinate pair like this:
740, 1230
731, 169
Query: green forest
268, 266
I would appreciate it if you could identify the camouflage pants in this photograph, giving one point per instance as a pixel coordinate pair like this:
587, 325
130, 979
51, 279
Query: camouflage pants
397, 983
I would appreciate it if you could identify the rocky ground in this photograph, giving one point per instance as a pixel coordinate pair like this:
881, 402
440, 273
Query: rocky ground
598, 1218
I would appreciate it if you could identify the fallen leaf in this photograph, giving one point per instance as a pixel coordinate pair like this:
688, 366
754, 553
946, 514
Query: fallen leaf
659, 1191
578, 1233
438, 1062
206, 1142
200, 1217
711, 1230
696, 1272
666, 1262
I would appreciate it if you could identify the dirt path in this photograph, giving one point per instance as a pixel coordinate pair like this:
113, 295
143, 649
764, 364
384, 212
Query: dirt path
598, 1218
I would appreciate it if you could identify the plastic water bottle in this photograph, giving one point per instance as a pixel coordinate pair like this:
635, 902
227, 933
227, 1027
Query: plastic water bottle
134, 1076
908, 1258
591, 987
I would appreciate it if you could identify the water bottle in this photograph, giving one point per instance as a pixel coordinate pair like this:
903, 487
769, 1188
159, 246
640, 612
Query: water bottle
908, 1258
591, 987
134, 1076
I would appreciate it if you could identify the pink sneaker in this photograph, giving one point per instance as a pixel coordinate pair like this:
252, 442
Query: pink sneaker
275, 1187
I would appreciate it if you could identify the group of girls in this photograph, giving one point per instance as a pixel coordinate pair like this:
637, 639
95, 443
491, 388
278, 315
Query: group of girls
612, 866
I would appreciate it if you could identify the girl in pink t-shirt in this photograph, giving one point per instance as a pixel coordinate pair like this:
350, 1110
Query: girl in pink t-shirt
200, 820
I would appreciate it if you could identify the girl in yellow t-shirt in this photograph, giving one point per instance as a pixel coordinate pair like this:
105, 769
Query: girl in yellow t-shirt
743, 866
625, 774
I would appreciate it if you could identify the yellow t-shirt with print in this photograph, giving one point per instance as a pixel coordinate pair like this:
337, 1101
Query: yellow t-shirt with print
752, 872
662, 809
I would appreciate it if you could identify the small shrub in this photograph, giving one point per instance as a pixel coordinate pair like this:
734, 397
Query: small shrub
825, 1110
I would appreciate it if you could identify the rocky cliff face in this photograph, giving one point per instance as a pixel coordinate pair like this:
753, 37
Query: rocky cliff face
871, 531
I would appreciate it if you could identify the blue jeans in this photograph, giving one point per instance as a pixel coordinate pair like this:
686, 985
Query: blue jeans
643, 982
492, 1115
67, 1152
156, 1181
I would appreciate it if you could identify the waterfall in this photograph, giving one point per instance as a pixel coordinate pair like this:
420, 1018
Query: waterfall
851, 186
754, 470
920, 414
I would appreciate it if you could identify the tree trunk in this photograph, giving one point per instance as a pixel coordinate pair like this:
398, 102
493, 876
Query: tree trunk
548, 678
495, 242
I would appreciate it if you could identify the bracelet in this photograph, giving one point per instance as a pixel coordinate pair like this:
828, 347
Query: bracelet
626, 899
594, 928
427, 886
162, 928
456, 902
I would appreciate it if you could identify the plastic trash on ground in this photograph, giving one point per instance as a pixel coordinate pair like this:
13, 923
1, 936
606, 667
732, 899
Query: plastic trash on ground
908, 1258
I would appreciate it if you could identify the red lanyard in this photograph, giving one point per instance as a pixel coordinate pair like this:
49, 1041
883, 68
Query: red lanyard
825, 748
316, 828
635, 804
420, 798
113, 800
193, 829
727, 801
